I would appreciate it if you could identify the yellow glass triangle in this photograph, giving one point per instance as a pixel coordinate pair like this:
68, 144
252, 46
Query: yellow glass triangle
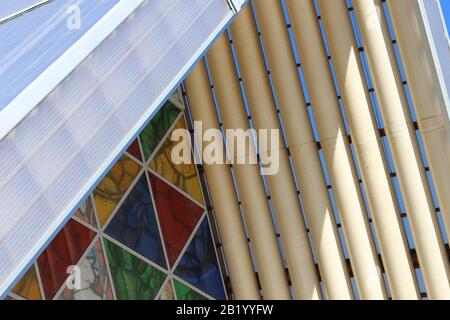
28, 286
113, 187
184, 176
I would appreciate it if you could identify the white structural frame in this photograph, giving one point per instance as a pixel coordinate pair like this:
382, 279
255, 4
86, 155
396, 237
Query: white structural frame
438, 38
236, 5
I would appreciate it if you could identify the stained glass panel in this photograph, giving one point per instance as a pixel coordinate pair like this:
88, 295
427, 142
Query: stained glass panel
113, 187
28, 286
177, 215
183, 175
185, 293
64, 251
155, 131
135, 150
86, 213
199, 265
167, 292
135, 224
148, 206
133, 278
94, 280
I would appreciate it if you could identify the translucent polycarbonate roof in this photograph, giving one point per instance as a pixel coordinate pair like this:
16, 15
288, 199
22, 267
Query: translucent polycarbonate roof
10, 8
54, 157
31, 42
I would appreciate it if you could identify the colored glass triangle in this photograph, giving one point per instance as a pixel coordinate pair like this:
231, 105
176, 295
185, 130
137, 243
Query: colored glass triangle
94, 278
177, 96
133, 278
199, 265
64, 251
135, 150
183, 175
28, 286
177, 215
113, 187
86, 213
185, 293
151, 136
167, 292
135, 224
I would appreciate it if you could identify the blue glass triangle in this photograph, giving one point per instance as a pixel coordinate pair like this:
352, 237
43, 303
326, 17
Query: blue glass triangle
199, 265
135, 224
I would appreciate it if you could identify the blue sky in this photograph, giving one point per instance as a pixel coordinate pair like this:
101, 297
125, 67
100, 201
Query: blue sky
446, 8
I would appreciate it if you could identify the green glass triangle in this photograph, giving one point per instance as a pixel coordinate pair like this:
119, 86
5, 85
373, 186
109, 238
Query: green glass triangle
133, 278
185, 293
157, 128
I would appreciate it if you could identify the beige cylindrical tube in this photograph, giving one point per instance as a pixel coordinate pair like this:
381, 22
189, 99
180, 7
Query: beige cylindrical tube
400, 131
363, 256
223, 196
366, 141
303, 148
281, 184
256, 210
426, 94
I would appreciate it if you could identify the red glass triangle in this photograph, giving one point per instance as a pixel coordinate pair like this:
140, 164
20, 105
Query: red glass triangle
65, 250
135, 150
177, 215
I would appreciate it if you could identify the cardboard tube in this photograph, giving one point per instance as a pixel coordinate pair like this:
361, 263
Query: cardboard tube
282, 187
400, 131
249, 182
428, 100
364, 259
303, 148
366, 141
223, 195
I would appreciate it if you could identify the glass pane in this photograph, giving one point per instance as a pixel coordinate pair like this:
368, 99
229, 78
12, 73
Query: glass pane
32, 42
